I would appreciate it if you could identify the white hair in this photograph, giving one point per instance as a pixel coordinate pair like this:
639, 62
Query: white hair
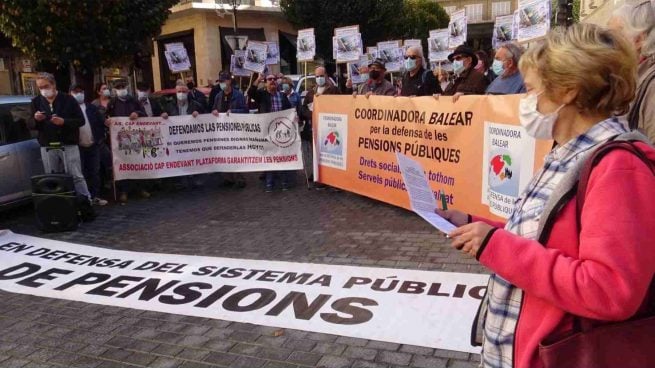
639, 18
419, 51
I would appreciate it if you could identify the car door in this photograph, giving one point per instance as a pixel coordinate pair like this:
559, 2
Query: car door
11, 176
27, 147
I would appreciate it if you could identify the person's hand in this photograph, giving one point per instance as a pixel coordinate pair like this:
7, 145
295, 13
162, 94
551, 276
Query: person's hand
457, 218
456, 96
108, 123
134, 116
164, 115
57, 120
215, 112
469, 238
436, 96
260, 78
194, 114
368, 94
349, 83
227, 113
39, 116
354, 94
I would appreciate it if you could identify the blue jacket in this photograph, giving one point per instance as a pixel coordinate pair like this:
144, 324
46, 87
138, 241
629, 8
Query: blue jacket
237, 102
97, 122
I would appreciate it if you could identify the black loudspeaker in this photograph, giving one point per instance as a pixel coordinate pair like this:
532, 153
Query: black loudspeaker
55, 203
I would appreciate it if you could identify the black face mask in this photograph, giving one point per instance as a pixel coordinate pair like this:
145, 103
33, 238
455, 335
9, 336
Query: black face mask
374, 74
190, 85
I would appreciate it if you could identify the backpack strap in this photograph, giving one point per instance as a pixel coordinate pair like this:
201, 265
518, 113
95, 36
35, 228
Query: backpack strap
633, 115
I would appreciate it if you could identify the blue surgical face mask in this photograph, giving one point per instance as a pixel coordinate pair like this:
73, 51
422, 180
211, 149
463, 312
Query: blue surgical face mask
410, 64
363, 77
458, 66
320, 81
497, 67
223, 85
286, 87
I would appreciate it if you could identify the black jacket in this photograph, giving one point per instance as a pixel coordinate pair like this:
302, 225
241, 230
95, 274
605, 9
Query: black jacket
424, 83
263, 99
216, 89
155, 105
65, 107
173, 110
97, 122
200, 98
124, 107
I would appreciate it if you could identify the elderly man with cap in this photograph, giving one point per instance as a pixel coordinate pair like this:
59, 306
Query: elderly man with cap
418, 80
228, 99
468, 80
376, 84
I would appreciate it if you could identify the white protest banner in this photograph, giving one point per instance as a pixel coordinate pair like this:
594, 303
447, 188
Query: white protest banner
256, 56
272, 53
349, 45
237, 63
503, 30
534, 18
393, 55
457, 28
148, 148
438, 45
306, 45
425, 308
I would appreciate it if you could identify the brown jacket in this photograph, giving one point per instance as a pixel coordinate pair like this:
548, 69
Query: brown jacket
330, 89
646, 115
470, 82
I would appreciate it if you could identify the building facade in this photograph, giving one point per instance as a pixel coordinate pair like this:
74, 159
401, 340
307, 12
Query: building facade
206, 29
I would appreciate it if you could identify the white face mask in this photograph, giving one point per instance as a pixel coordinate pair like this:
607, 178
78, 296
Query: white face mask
458, 66
142, 95
47, 92
121, 92
106, 92
536, 124
181, 96
79, 97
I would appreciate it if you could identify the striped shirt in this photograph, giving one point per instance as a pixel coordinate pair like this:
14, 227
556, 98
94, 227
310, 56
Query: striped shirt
504, 298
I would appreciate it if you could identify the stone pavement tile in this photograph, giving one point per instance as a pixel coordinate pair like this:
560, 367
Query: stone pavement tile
167, 349
165, 362
139, 358
461, 364
475, 358
220, 332
43, 355
193, 330
302, 345
115, 354
38, 365
223, 359
220, 345
303, 358
247, 362
280, 365
22, 351
86, 362
413, 349
111, 364
192, 354
245, 349
394, 358
93, 350
64, 358
331, 361
329, 348
193, 340
422, 361
272, 341
190, 364
367, 364
321, 337
352, 341
245, 336
273, 353
451, 354
7, 346
383, 345
356, 352
15, 363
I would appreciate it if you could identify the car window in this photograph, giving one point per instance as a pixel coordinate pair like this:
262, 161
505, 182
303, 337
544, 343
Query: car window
13, 123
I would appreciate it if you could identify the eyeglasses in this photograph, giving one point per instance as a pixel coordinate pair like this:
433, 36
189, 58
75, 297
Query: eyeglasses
413, 57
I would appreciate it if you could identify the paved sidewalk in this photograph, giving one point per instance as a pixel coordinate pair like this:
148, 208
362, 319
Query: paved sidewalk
327, 227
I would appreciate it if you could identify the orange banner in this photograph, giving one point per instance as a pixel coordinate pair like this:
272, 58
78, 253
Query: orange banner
476, 156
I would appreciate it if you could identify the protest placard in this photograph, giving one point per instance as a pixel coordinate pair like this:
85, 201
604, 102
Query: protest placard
256, 56
503, 30
457, 28
272, 53
438, 44
425, 308
306, 45
237, 63
393, 55
148, 148
534, 19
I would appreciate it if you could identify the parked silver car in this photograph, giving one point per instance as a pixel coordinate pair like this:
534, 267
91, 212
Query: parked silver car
20, 156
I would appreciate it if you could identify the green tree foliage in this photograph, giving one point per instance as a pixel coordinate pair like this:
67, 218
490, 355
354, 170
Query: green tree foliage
375, 18
85, 34
421, 16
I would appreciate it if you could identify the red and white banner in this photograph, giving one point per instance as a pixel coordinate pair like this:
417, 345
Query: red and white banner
148, 148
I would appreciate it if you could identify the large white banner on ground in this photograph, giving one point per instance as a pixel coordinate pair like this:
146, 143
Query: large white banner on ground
148, 148
433, 309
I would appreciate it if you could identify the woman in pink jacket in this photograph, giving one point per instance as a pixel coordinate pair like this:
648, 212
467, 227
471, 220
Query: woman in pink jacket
546, 267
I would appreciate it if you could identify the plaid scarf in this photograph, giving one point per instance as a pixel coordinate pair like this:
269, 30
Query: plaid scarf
504, 299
